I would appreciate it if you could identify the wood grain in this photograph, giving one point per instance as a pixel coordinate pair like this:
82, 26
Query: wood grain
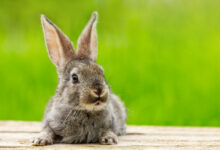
16, 135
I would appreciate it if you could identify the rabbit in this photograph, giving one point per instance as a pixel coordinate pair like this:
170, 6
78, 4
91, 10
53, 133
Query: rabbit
83, 109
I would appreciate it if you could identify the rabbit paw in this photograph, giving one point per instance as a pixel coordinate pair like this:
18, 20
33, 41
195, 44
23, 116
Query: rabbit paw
109, 139
42, 140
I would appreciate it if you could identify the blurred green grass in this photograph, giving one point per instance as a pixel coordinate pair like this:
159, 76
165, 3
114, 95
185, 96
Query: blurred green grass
162, 57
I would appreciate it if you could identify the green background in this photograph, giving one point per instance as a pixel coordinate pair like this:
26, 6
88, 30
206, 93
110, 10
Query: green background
161, 56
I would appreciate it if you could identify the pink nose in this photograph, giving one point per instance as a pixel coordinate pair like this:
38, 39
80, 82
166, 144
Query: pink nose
98, 92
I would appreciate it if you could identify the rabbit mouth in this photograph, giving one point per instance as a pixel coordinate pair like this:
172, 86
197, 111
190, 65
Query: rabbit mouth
99, 101
93, 102
95, 105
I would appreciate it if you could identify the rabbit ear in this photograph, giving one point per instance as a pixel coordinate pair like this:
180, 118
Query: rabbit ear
59, 46
87, 42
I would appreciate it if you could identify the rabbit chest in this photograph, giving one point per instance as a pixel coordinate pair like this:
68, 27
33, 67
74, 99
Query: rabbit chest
76, 126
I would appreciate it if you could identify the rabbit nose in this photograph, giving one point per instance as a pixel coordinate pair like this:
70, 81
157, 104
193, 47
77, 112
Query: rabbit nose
99, 92
96, 92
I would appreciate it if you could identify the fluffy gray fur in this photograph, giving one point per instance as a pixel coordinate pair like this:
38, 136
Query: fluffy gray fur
82, 111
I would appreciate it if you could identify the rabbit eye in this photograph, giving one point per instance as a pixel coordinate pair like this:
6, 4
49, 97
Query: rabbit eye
75, 78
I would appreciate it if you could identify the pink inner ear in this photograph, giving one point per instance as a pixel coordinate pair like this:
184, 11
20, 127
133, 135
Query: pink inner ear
84, 46
52, 46
93, 44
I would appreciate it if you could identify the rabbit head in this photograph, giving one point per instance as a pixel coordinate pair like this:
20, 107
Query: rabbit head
81, 79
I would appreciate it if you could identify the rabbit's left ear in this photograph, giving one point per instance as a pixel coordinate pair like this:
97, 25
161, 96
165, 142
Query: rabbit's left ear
87, 42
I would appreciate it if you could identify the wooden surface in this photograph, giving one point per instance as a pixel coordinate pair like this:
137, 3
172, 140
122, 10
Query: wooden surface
16, 135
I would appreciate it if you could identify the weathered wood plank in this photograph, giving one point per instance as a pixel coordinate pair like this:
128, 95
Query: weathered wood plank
16, 135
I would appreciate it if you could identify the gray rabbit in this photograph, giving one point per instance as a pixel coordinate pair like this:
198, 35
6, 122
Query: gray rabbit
83, 110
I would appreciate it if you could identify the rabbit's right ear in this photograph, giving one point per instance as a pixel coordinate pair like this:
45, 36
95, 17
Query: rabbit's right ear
59, 46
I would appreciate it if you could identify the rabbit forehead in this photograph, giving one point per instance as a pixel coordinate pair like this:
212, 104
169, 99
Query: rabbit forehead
86, 68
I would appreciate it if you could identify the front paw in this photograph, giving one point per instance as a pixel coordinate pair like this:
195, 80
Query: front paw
109, 139
42, 140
